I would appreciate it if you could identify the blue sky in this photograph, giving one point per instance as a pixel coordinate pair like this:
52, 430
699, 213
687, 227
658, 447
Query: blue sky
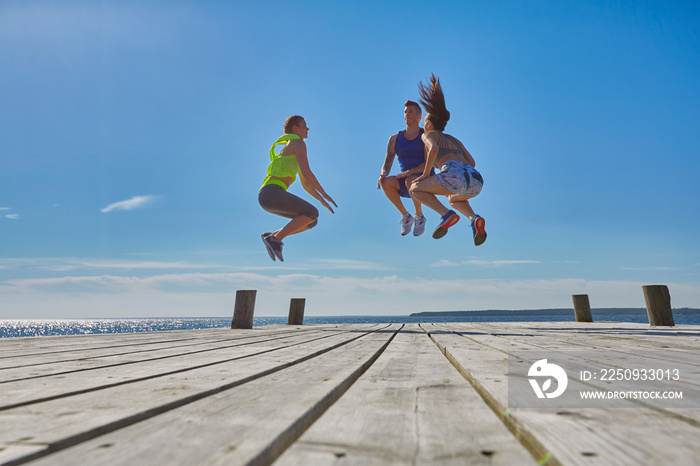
134, 138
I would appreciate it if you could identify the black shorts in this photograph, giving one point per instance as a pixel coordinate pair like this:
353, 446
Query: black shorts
276, 200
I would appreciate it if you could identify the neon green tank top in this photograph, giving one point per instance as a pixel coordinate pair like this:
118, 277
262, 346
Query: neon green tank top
282, 166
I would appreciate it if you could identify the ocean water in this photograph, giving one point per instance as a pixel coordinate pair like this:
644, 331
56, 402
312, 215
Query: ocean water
36, 327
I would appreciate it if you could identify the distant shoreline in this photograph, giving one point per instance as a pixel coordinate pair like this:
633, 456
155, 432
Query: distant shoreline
550, 312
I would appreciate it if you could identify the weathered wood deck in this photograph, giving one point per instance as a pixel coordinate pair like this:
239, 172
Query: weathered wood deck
328, 394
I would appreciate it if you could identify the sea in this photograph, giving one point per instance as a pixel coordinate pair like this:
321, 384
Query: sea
37, 327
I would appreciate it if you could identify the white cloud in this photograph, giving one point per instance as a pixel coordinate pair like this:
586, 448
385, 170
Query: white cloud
136, 202
10, 216
653, 269
346, 264
104, 264
490, 263
87, 265
212, 294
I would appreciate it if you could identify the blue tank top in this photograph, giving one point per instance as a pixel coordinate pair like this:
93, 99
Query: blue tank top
410, 153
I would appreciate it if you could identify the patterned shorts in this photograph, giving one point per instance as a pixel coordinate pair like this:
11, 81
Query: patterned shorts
460, 178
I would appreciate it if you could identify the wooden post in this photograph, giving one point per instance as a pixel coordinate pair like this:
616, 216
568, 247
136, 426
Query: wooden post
582, 308
658, 301
296, 311
243, 309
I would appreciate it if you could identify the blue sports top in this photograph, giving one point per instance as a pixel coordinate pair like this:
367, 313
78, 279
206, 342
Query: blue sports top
411, 153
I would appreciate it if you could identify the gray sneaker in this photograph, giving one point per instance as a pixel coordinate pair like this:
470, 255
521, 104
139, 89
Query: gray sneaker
274, 245
267, 246
406, 224
419, 225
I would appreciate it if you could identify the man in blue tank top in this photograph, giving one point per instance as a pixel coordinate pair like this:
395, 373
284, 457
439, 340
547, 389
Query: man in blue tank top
408, 145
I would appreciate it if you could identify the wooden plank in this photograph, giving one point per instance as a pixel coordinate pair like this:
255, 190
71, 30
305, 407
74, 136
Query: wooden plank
573, 436
16, 350
56, 363
33, 390
67, 421
114, 402
68, 342
607, 334
410, 407
247, 424
632, 351
683, 348
611, 355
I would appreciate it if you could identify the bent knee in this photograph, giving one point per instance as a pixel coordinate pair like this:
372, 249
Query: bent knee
312, 213
313, 216
455, 198
390, 182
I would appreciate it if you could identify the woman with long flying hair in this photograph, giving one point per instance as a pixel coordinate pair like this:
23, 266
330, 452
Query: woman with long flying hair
273, 196
458, 179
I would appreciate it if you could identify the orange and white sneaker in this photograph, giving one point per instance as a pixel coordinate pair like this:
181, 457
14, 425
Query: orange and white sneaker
448, 220
479, 229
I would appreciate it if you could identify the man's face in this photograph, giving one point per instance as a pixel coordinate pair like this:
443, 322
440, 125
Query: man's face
411, 115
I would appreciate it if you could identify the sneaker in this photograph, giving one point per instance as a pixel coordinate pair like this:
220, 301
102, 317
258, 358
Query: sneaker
479, 229
275, 245
419, 226
267, 246
406, 224
449, 219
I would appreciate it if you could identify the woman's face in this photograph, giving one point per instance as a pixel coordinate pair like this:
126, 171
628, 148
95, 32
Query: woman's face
427, 125
301, 129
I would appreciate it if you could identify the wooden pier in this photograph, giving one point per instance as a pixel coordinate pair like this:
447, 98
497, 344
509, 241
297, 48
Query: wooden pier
330, 394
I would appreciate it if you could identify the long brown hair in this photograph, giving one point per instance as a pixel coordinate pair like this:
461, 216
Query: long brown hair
433, 99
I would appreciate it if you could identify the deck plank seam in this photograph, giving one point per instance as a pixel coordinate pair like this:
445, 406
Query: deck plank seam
79, 349
200, 338
106, 366
88, 358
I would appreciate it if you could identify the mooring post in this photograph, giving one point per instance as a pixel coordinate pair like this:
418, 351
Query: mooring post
658, 301
243, 309
296, 311
582, 308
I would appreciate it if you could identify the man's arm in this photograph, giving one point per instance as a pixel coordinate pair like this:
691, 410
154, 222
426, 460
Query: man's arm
388, 160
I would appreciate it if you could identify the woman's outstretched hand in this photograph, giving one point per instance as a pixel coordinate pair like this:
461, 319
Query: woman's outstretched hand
325, 204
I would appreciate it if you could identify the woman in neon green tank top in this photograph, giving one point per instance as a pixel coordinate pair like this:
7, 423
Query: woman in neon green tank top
274, 197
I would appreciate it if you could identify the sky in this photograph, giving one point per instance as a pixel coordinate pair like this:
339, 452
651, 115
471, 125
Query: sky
134, 137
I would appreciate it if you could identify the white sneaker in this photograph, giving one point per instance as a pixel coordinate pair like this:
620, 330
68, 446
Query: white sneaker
406, 224
419, 226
